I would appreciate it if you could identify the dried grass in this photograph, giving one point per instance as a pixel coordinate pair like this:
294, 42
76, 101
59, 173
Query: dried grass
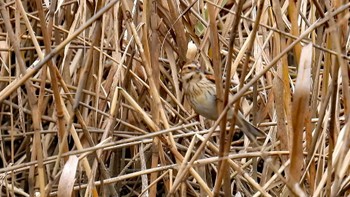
92, 104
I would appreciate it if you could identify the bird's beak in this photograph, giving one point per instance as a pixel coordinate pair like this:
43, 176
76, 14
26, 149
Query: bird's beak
180, 71
179, 75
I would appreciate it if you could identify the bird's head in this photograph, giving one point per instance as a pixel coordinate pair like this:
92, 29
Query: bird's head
190, 72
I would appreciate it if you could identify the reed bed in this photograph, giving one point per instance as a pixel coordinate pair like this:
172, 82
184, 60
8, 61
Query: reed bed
92, 102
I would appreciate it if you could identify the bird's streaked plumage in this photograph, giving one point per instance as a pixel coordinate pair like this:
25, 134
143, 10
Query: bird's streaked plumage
201, 94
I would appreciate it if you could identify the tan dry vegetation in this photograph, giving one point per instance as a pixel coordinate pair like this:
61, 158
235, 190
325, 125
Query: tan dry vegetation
92, 105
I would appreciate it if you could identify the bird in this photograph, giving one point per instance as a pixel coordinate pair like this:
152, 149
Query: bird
200, 92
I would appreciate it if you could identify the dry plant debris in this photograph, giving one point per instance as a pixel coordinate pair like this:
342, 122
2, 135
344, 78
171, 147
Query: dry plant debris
92, 102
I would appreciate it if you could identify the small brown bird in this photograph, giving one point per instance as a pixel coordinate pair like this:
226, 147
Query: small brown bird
201, 94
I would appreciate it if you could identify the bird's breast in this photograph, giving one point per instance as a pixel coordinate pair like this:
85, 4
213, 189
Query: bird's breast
203, 101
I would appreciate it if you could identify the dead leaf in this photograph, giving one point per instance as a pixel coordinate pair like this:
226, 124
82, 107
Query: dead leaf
66, 183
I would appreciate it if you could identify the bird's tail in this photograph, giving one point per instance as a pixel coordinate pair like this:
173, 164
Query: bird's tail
251, 131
